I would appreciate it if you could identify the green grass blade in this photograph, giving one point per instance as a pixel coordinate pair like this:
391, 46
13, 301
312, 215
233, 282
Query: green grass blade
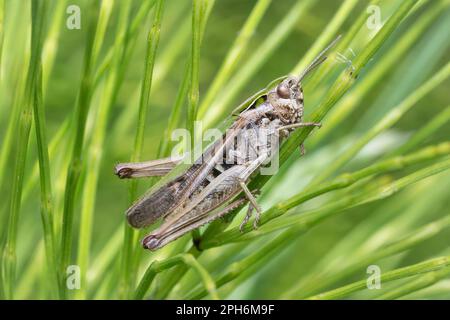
94, 35
198, 12
405, 272
421, 282
127, 271
188, 260
45, 184
25, 120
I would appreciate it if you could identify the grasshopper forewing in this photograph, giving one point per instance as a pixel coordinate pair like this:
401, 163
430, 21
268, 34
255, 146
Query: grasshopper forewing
211, 186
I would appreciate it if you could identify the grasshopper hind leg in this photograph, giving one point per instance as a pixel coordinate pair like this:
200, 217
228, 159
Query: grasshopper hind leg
157, 240
250, 196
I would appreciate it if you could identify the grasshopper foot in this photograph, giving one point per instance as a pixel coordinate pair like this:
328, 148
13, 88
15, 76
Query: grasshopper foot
247, 217
302, 150
256, 221
249, 214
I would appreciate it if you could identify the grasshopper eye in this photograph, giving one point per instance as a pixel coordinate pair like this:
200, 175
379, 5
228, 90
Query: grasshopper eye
283, 91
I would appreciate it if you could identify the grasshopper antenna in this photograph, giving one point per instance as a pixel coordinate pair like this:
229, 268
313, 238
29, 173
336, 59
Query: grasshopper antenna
318, 60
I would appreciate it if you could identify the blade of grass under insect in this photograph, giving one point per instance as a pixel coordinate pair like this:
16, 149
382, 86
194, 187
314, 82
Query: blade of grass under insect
95, 153
400, 273
234, 55
255, 62
95, 36
354, 98
159, 266
45, 183
342, 181
9, 258
127, 277
386, 122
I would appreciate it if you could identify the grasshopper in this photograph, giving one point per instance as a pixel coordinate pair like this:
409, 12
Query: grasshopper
216, 183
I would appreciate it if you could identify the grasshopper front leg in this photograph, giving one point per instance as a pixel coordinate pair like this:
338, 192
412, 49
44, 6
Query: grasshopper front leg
300, 125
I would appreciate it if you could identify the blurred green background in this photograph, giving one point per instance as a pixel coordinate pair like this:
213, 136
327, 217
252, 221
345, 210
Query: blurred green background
310, 263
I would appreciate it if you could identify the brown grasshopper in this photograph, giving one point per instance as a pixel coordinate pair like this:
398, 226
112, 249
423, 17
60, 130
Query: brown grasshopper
207, 190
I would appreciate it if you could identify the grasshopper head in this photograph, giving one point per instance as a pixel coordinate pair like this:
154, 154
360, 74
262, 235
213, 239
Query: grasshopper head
287, 98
